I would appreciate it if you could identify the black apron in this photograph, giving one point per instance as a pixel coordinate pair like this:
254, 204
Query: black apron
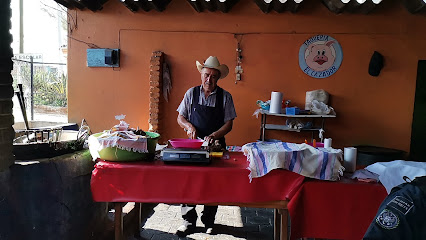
205, 119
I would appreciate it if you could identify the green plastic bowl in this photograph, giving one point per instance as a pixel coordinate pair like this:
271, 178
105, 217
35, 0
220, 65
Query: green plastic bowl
120, 155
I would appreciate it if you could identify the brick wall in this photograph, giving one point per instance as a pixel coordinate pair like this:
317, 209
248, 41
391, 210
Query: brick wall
155, 77
6, 91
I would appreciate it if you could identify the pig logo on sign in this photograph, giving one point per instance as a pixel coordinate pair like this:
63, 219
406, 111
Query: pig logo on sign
320, 56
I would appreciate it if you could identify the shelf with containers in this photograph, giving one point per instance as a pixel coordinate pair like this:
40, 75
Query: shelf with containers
315, 127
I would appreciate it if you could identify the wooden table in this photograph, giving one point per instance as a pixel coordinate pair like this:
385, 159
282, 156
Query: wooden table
223, 182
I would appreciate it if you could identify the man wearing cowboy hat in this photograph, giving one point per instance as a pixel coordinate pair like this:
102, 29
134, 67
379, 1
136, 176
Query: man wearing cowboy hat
206, 111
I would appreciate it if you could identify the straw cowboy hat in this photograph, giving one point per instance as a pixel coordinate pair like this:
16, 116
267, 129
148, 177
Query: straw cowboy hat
213, 62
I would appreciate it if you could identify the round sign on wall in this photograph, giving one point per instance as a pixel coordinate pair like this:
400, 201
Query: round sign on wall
320, 56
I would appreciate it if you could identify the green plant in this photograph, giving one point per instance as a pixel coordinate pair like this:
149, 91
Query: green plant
49, 88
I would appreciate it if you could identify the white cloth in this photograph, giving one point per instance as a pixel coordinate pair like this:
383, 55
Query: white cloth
391, 173
365, 174
125, 140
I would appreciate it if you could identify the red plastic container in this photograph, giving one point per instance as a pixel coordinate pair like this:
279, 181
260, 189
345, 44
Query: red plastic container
186, 143
319, 144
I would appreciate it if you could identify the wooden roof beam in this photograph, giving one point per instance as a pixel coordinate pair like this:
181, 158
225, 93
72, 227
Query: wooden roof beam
94, 5
71, 4
65, 4
130, 4
278, 5
415, 6
362, 6
225, 6
196, 5
146, 5
212, 5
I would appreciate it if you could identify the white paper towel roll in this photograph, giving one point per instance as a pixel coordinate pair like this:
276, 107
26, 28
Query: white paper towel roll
276, 102
349, 159
327, 142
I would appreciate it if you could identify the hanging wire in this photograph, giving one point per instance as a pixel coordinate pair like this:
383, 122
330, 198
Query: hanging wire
91, 45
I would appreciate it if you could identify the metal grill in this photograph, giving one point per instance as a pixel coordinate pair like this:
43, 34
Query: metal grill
38, 136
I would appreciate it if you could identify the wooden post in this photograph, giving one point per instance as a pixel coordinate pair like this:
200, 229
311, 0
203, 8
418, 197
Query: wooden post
277, 224
138, 209
284, 223
118, 221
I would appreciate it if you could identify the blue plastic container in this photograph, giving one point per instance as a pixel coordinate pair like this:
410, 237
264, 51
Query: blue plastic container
292, 110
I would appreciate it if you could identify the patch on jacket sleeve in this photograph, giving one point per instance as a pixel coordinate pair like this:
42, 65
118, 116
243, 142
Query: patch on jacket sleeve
387, 219
401, 204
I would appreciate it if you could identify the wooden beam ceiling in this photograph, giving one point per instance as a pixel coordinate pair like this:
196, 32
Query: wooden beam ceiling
94, 5
266, 6
278, 5
212, 5
415, 6
352, 6
146, 5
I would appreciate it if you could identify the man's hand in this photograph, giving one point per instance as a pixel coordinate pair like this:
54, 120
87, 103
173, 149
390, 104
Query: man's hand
210, 139
192, 133
226, 128
187, 126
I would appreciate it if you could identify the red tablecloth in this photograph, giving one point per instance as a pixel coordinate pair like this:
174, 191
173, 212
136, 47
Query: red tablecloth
225, 180
334, 210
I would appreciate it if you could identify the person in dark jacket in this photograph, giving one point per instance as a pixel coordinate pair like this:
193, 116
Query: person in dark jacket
402, 214
207, 112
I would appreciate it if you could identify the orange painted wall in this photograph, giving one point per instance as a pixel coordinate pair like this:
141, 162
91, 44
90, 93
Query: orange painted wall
370, 110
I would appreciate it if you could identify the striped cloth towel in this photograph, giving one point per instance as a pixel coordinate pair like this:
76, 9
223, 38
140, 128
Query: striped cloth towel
319, 163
